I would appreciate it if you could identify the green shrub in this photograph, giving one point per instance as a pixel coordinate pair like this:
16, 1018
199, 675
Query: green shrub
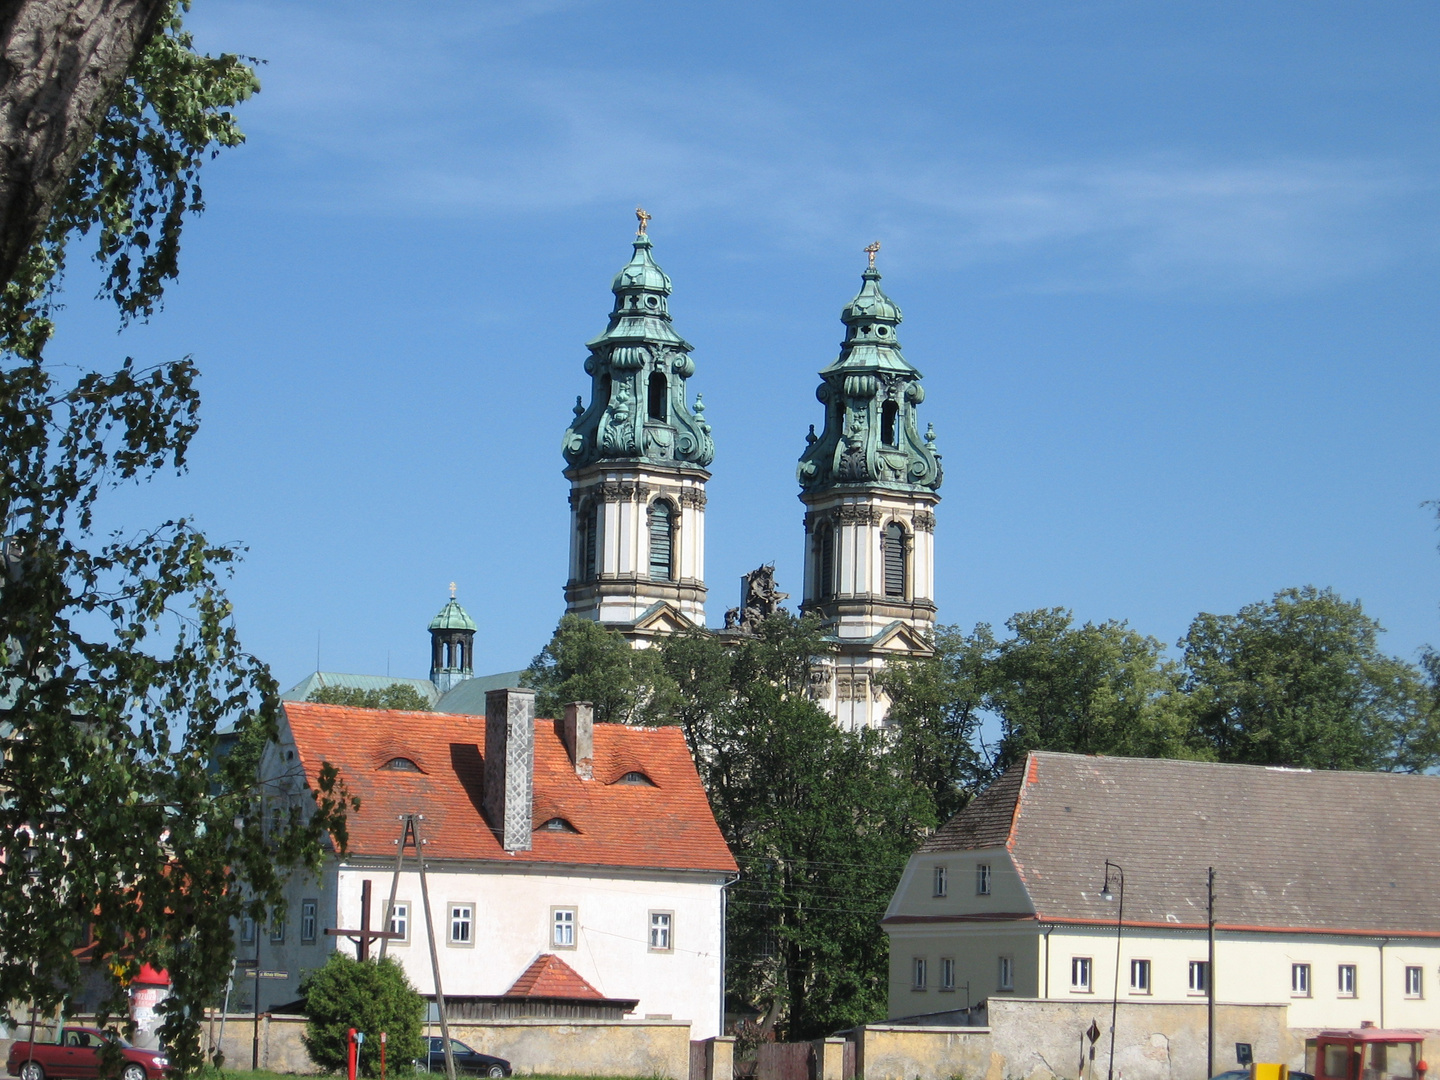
372, 997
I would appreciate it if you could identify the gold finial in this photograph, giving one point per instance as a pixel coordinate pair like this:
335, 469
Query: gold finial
452, 590
871, 249
643, 218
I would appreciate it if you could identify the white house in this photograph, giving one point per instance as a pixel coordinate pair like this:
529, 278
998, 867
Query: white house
1326, 892
593, 844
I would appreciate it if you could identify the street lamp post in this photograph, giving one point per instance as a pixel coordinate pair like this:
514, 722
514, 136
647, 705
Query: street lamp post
1114, 870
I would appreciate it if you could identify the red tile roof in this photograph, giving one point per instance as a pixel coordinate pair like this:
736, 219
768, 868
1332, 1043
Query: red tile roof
668, 826
551, 977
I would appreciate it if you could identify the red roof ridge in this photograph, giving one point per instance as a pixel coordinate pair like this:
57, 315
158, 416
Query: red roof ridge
550, 977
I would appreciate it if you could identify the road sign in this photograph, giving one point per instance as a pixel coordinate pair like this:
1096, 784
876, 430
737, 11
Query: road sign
253, 974
1094, 1033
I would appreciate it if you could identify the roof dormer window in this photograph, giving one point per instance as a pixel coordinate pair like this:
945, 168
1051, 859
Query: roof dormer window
559, 824
636, 778
401, 764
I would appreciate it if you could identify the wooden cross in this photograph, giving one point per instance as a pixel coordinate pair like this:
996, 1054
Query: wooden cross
870, 250
644, 220
364, 935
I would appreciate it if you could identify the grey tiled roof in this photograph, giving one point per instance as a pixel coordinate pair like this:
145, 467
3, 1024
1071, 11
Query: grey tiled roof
1344, 851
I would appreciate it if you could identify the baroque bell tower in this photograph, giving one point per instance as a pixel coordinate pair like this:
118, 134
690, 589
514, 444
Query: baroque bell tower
869, 483
637, 458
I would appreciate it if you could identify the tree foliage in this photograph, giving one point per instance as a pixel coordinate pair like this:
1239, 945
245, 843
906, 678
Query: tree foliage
118, 655
371, 996
585, 661
821, 821
400, 696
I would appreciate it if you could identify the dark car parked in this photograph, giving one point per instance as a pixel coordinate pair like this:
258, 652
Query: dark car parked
467, 1062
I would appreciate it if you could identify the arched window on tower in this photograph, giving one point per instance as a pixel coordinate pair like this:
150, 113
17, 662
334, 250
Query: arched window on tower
826, 584
662, 542
589, 542
658, 389
894, 543
889, 414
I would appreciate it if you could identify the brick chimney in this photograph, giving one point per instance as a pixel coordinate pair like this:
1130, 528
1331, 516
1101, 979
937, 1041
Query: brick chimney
510, 764
578, 732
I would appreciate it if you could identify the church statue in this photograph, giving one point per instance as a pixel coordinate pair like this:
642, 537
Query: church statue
759, 599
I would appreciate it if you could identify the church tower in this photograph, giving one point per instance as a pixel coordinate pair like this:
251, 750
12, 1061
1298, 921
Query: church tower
869, 484
452, 645
637, 457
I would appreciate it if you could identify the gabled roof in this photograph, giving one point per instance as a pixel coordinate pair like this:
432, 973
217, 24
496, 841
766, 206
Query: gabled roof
1292, 849
550, 977
666, 827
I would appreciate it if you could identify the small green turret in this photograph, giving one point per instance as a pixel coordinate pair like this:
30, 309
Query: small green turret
638, 368
452, 645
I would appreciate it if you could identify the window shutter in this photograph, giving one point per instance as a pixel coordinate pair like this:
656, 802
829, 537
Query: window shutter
827, 562
894, 559
592, 529
661, 542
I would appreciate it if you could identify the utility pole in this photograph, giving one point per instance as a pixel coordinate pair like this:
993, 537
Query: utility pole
1210, 973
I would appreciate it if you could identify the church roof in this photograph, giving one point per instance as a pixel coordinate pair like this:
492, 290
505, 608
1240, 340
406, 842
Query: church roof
1349, 852
452, 617
321, 679
665, 827
468, 696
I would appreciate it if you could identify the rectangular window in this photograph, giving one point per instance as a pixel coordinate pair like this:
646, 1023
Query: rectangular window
1199, 980
562, 928
400, 922
277, 932
462, 924
1139, 976
982, 879
661, 925
1345, 983
947, 973
1080, 974
1300, 980
918, 971
307, 921
1007, 973
247, 928
942, 881
1414, 982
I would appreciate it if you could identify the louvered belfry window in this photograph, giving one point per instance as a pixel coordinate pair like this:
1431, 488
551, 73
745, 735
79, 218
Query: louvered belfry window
827, 561
894, 559
662, 542
589, 538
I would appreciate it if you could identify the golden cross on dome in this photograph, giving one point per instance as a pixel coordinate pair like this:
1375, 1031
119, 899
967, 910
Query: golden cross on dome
871, 249
452, 590
643, 218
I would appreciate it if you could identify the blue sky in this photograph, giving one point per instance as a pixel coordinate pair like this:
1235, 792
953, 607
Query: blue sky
1169, 270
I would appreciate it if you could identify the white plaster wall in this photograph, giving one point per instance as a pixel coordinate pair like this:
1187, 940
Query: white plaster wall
513, 904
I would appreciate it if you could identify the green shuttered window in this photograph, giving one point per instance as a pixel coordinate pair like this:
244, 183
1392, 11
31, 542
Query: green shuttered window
662, 542
894, 544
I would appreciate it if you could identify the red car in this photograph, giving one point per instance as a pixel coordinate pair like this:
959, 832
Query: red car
77, 1055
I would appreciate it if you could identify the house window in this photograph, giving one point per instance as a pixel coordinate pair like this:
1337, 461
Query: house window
1345, 983
942, 881
401, 764
947, 973
661, 923
1007, 973
589, 542
400, 921
1140, 976
1080, 974
918, 971
662, 542
827, 561
462, 924
307, 921
1414, 982
562, 928
982, 879
277, 932
1300, 980
636, 778
894, 545
247, 928
1199, 976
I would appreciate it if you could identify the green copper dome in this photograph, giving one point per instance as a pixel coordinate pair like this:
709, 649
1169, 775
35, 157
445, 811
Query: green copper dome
638, 368
870, 394
452, 617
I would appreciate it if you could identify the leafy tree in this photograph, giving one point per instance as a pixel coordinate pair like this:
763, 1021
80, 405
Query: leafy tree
585, 661
1093, 689
401, 696
371, 996
1300, 680
937, 706
118, 656
820, 820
